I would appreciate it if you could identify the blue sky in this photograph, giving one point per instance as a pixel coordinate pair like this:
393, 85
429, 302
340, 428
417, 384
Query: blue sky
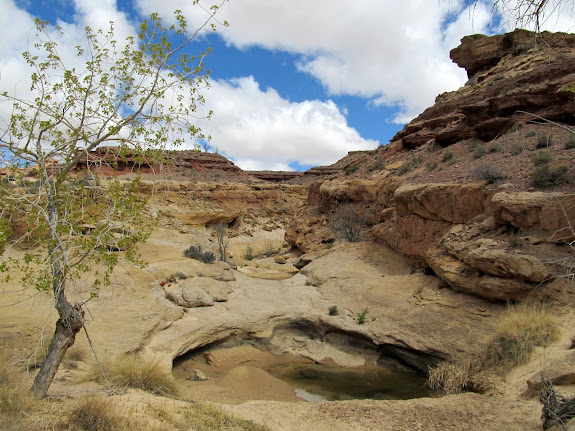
295, 83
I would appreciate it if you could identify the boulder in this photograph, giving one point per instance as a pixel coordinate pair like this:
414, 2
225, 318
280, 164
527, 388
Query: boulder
188, 296
198, 292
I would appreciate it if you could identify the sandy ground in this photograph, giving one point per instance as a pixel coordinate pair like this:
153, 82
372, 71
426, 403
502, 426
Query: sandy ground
27, 316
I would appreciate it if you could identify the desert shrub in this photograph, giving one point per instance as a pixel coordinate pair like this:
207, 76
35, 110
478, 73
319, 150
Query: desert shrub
570, 144
494, 148
447, 156
474, 144
333, 311
417, 160
431, 165
196, 252
479, 152
95, 414
351, 169
489, 173
136, 372
361, 318
518, 332
348, 222
515, 241
545, 176
269, 249
516, 149
377, 166
531, 134
541, 158
180, 275
248, 253
544, 141
405, 168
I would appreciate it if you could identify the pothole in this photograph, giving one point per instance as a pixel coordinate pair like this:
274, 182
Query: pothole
285, 367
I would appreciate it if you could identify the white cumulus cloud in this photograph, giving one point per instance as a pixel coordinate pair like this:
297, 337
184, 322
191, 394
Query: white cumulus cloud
261, 130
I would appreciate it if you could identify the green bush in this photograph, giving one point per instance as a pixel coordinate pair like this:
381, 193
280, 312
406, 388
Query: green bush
570, 144
196, 252
333, 311
431, 165
545, 176
361, 318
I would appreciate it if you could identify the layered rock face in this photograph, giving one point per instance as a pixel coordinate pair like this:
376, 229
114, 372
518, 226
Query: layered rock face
508, 73
496, 239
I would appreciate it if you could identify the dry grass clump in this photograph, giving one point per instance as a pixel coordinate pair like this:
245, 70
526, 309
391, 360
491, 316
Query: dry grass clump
454, 378
136, 372
95, 414
521, 329
203, 417
15, 398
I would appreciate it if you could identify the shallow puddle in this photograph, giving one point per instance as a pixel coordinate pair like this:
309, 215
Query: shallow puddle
241, 373
314, 382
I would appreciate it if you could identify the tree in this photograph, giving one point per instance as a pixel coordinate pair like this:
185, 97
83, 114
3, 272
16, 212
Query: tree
348, 221
138, 97
530, 13
223, 240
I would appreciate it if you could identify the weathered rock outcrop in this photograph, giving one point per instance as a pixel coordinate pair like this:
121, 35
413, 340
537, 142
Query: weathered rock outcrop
508, 73
552, 212
496, 241
478, 53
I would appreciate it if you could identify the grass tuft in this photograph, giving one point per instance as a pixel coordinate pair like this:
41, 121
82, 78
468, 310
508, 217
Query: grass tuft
15, 398
136, 372
95, 414
452, 378
518, 333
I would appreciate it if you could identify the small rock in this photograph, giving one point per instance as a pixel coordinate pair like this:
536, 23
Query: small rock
280, 259
197, 376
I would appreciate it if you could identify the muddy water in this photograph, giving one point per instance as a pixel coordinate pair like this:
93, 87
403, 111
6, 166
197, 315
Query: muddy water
241, 373
315, 382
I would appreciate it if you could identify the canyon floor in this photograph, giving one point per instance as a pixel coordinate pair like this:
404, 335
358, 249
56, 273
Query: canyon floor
133, 315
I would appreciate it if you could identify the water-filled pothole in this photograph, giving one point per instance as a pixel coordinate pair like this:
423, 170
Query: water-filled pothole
241, 373
315, 382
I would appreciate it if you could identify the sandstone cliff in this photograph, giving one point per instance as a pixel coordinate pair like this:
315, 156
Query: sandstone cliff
460, 189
